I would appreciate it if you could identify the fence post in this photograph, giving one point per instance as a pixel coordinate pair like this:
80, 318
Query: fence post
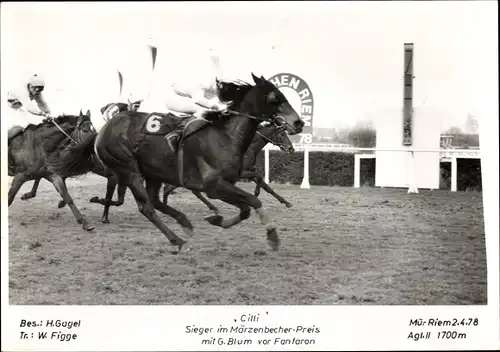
357, 171
266, 164
305, 180
453, 173
411, 168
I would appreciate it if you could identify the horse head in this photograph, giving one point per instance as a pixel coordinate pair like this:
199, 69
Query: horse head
83, 127
272, 105
277, 136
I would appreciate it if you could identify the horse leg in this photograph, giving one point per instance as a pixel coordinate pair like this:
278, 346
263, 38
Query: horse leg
32, 193
110, 190
256, 192
153, 189
250, 176
206, 202
261, 183
233, 195
16, 185
122, 189
218, 220
167, 190
147, 209
60, 185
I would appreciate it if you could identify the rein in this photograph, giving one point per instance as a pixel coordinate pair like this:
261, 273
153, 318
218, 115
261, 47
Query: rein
267, 138
262, 119
180, 153
63, 131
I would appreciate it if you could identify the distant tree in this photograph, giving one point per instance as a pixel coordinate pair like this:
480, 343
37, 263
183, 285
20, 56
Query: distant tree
462, 140
453, 130
466, 141
362, 137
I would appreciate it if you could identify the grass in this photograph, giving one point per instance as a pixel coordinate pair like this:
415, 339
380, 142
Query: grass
339, 246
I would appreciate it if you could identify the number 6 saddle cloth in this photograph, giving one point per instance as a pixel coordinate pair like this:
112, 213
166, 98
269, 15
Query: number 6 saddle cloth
168, 122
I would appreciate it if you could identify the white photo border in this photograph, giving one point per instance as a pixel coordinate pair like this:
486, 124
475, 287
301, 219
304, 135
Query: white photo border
148, 328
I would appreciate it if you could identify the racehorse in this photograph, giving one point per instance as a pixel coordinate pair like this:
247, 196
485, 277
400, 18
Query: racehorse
51, 150
209, 159
268, 133
96, 167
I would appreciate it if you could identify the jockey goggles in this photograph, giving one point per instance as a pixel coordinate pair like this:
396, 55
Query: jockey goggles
38, 89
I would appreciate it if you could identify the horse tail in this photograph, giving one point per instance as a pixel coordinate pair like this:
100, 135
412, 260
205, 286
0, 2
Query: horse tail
119, 160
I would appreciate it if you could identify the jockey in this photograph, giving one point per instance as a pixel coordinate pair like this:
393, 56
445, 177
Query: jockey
30, 97
194, 99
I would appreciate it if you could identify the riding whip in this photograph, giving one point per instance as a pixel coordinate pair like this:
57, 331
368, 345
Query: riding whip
63, 131
120, 80
153, 51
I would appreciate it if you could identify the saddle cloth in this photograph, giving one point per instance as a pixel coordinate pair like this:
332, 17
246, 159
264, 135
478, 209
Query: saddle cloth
164, 123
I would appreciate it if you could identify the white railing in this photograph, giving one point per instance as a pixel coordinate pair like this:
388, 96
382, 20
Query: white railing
472, 153
445, 155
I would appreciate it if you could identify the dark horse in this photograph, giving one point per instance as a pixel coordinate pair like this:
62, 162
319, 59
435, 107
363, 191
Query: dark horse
210, 160
44, 151
268, 133
96, 167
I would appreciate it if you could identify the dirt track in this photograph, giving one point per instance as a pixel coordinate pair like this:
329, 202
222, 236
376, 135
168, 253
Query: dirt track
339, 246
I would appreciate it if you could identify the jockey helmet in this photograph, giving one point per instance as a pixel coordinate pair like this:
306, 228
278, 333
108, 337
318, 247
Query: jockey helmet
36, 81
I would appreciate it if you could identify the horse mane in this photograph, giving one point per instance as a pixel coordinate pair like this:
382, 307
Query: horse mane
59, 120
228, 91
234, 91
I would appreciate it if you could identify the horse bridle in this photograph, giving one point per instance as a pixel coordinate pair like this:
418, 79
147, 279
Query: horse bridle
273, 119
278, 129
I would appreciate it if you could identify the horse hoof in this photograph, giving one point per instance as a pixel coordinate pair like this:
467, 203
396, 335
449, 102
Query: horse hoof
178, 245
62, 204
26, 196
105, 221
215, 220
273, 239
94, 199
288, 205
274, 245
188, 231
88, 227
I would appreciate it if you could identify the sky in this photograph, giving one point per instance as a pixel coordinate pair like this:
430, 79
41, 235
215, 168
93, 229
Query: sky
350, 53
